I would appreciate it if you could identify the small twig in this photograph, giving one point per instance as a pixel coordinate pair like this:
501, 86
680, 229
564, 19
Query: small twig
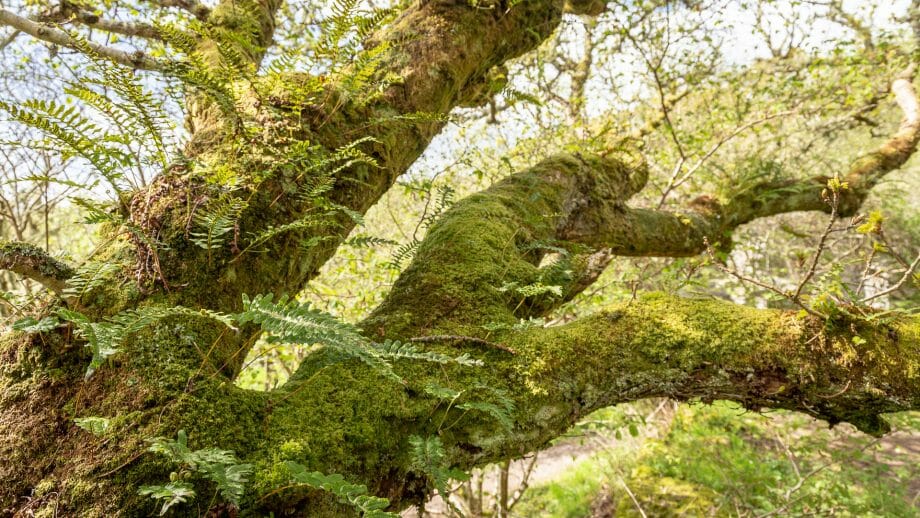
461, 338
907, 274
821, 241
785, 294
632, 497
525, 482
839, 392
865, 273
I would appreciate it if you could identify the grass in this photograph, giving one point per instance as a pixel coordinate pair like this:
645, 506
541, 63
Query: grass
720, 461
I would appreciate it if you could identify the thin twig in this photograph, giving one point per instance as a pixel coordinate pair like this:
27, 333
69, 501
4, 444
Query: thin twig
821, 241
907, 274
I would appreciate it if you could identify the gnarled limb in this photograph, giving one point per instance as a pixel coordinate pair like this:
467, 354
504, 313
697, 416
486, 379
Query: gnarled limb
35, 264
642, 232
452, 46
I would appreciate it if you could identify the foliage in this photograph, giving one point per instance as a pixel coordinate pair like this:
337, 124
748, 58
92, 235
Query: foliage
216, 221
115, 109
221, 467
429, 457
289, 321
32, 325
94, 425
103, 338
354, 495
717, 457
172, 493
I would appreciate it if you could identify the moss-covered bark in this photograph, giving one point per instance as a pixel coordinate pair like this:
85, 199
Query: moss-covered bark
476, 274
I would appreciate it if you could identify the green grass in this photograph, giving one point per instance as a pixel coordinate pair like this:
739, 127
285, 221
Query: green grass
720, 461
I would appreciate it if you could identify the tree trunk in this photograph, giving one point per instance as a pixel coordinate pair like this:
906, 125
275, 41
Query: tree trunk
176, 372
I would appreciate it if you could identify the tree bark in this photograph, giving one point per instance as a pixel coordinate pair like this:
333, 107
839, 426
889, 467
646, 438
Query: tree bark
342, 417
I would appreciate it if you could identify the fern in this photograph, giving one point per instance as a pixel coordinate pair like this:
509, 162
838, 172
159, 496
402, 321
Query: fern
173, 493
289, 321
501, 413
429, 457
306, 222
500, 407
221, 467
364, 241
75, 134
441, 202
403, 253
89, 277
31, 325
215, 222
348, 493
398, 350
103, 338
125, 109
94, 425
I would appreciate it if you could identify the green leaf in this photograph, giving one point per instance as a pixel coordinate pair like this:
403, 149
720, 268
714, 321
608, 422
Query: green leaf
347, 492
172, 493
31, 326
94, 425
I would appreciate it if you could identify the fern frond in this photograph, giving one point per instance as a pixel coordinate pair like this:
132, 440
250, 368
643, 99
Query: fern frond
289, 321
104, 338
222, 467
75, 134
348, 493
429, 457
363, 241
404, 253
90, 276
216, 221
308, 221
398, 350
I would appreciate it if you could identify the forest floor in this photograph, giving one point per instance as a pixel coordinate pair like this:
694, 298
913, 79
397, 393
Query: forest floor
658, 459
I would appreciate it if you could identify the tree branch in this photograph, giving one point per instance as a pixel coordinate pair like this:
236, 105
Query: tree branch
196, 9
453, 47
643, 232
34, 263
71, 13
47, 33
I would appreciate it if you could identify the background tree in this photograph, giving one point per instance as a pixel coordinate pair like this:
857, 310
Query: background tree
282, 157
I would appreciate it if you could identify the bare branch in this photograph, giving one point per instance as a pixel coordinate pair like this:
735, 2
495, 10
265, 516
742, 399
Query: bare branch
50, 34
90, 19
196, 9
34, 263
907, 274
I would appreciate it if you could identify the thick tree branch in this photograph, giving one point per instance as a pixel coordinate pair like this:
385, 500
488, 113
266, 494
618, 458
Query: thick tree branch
642, 232
442, 52
47, 33
33, 263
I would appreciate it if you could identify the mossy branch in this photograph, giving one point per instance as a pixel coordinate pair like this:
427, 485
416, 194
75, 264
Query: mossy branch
642, 232
35, 264
709, 350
